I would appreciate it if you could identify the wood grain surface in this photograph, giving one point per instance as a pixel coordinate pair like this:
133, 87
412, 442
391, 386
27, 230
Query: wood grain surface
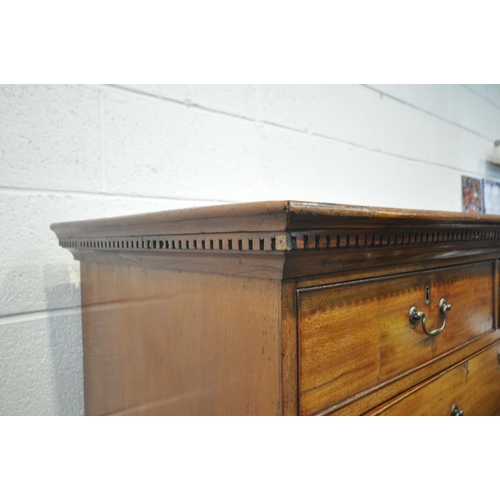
293, 239
473, 386
267, 216
173, 343
357, 335
287, 308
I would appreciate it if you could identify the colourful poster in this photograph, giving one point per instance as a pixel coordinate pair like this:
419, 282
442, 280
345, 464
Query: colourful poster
472, 195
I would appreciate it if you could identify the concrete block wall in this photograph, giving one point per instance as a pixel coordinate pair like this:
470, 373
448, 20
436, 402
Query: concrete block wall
80, 152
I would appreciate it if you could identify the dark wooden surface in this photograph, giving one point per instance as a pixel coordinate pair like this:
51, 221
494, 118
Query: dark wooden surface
268, 216
281, 239
282, 307
260, 216
472, 385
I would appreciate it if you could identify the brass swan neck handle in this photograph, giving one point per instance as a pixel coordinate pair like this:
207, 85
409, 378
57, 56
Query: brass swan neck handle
415, 316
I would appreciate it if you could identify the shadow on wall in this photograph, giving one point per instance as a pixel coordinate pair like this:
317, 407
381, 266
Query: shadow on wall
65, 346
41, 362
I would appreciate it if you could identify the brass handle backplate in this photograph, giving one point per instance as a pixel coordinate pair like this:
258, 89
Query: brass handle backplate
415, 316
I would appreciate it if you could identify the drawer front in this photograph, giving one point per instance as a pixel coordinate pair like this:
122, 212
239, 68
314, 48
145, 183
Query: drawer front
354, 336
473, 387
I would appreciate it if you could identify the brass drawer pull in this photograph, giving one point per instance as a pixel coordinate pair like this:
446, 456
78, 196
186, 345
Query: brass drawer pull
456, 411
415, 316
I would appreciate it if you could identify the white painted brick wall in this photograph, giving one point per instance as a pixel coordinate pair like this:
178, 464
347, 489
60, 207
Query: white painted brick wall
456, 147
380, 177
468, 109
348, 113
482, 90
285, 105
82, 152
237, 100
493, 121
49, 138
406, 130
434, 99
40, 362
180, 93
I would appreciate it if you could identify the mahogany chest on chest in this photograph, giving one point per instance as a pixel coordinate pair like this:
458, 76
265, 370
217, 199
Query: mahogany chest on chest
289, 308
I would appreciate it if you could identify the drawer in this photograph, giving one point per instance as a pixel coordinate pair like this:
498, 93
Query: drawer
356, 335
473, 386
